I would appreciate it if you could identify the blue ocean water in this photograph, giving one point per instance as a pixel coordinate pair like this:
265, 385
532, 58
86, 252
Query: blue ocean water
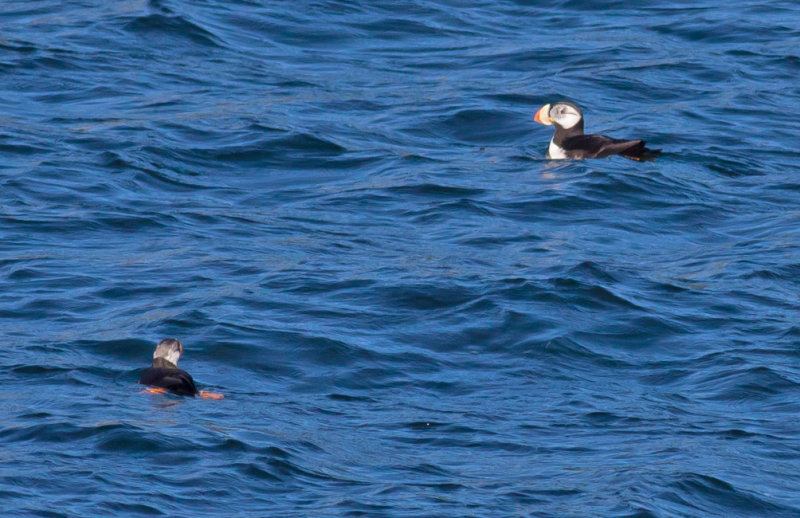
343, 210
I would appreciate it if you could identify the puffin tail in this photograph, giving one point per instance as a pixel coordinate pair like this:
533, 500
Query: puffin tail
640, 153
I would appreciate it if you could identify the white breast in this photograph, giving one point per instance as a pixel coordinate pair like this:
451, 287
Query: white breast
555, 152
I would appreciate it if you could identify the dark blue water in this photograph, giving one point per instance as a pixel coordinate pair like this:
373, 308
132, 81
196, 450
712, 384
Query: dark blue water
342, 208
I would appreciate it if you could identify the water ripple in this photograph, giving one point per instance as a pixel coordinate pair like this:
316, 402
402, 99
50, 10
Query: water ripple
345, 213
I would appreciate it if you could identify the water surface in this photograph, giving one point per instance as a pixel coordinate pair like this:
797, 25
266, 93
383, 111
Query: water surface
344, 212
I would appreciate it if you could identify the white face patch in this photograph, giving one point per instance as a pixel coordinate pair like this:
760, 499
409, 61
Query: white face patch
565, 115
169, 350
173, 357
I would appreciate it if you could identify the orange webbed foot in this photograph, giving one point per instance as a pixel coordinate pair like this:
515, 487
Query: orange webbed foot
210, 395
154, 390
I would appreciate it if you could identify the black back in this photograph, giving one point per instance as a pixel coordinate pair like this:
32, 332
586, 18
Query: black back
600, 146
577, 145
175, 380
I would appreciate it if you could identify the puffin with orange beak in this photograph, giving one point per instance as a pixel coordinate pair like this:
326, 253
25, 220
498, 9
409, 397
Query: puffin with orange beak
569, 140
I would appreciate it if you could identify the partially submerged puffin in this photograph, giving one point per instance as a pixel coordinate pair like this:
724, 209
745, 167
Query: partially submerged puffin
165, 375
570, 142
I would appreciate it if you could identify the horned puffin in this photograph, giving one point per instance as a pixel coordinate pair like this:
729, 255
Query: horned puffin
569, 140
165, 376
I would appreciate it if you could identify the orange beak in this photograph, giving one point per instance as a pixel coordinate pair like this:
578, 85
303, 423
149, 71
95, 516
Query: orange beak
538, 116
543, 116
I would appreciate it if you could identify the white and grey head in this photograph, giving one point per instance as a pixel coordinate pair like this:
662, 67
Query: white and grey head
563, 114
170, 350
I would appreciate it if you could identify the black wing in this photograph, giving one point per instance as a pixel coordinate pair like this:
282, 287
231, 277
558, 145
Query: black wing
600, 146
177, 381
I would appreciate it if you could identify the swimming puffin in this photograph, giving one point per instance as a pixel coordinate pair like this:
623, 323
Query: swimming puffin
570, 142
165, 375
